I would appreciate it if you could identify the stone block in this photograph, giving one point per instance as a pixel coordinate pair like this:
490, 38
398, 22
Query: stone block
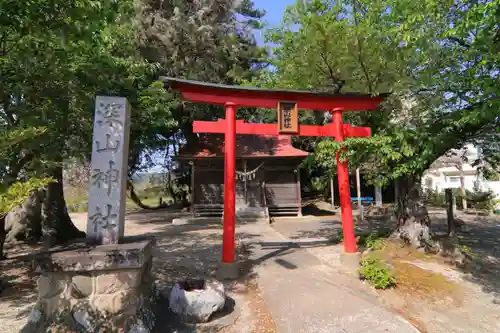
350, 262
120, 302
111, 283
91, 258
101, 286
228, 271
56, 305
139, 327
197, 305
82, 286
82, 317
51, 285
35, 322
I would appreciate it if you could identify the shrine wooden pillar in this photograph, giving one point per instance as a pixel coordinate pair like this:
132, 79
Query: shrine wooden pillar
192, 198
229, 223
344, 187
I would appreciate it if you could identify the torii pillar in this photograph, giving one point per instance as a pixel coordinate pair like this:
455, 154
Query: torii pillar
229, 223
344, 188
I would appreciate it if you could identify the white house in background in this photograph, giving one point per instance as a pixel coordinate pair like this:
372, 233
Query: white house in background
443, 177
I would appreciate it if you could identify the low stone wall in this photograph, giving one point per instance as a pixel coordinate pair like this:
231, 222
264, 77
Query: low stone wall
100, 289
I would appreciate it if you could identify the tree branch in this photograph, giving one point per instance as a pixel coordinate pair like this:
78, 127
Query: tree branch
359, 45
335, 80
138, 201
463, 134
459, 42
16, 169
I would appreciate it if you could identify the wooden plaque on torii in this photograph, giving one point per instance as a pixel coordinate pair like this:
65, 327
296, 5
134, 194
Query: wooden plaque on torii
288, 118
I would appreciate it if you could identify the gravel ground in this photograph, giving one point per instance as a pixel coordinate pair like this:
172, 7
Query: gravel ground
480, 310
194, 250
181, 251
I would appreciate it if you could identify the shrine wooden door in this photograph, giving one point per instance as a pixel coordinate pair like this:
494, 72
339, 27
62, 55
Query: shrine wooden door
249, 185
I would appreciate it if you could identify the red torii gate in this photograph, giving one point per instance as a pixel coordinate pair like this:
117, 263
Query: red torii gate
236, 96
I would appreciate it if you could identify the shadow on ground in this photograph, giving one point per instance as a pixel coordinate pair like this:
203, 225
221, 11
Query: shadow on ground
314, 210
482, 236
17, 283
160, 216
181, 251
326, 226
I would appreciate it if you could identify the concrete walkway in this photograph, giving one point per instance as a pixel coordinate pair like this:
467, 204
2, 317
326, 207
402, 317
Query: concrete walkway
305, 295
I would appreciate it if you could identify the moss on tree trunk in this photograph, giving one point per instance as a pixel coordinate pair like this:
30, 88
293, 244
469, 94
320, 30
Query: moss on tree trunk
23, 222
42, 216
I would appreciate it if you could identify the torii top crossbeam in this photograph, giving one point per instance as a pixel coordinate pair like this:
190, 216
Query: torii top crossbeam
197, 91
287, 102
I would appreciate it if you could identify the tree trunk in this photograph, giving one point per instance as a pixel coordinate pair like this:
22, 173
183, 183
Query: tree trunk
332, 192
138, 201
378, 196
462, 186
358, 193
23, 223
2, 234
413, 222
42, 215
56, 224
450, 211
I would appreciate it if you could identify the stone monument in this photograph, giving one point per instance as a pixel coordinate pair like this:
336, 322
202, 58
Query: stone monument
104, 284
108, 181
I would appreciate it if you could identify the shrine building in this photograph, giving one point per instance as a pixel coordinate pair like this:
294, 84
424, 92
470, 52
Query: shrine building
267, 175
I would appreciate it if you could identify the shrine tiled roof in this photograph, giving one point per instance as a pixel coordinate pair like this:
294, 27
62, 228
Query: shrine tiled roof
248, 146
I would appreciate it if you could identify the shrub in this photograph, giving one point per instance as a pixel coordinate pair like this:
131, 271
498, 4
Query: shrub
479, 200
434, 198
475, 199
374, 241
377, 273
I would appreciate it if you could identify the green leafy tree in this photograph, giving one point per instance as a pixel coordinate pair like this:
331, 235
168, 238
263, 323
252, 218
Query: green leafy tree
12, 191
203, 40
206, 40
440, 61
55, 57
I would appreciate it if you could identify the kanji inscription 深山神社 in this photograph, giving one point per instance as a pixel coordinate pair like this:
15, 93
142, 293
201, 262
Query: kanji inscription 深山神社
108, 179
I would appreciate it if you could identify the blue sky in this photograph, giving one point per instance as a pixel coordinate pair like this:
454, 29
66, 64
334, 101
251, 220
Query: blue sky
274, 12
274, 9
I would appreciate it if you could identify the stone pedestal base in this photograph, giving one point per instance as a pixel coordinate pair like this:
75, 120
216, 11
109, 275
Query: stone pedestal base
228, 271
108, 287
350, 262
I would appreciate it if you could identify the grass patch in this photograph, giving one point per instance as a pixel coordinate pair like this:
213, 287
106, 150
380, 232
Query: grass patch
414, 281
377, 273
394, 250
372, 240
81, 206
417, 282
